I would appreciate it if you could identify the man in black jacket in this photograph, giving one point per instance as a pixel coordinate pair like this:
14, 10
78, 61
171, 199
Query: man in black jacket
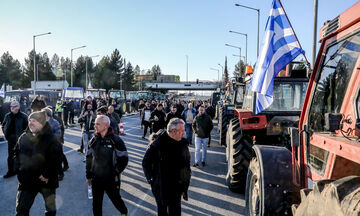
100, 171
37, 162
14, 124
145, 118
87, 119
166, 166
172, 114
157, 118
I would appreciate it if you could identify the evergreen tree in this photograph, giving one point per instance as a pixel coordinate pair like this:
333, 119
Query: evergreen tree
65, 68
79, 72
129, 78
239, 69
155, 72
137, 70
226, 73
10, 71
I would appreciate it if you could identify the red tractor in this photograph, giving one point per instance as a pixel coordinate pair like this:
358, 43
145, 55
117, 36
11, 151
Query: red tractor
320, 173
269, 127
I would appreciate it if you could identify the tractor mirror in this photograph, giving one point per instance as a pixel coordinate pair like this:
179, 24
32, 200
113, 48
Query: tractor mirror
332, 121
294, 136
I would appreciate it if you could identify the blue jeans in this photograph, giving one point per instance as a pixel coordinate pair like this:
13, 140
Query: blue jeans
200, 143
189, 133
86, 138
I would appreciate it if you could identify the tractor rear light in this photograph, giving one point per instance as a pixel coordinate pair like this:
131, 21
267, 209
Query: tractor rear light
253, 120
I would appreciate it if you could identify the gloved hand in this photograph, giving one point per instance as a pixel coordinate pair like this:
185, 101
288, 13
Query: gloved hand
185, 196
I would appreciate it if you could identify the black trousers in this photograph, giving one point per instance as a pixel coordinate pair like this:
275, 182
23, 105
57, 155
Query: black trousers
113, 192
10, 159
171, 207
72, 115
25, 199
66, 117
146, 126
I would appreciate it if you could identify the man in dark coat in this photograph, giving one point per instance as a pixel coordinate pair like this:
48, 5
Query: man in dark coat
157, 118
71, 109
14, 124
202, 126
166, 166
103, 111
172, 114
65, 106
37, 162
100, 171
38, 103
145, 118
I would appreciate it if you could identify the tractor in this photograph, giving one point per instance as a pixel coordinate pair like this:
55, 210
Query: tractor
319, 173
270, 126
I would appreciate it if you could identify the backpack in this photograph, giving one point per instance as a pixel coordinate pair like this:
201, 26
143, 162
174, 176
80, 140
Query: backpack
120, 159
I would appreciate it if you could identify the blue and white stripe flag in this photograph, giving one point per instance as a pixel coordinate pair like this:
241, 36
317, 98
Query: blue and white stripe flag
280, 47
2, 90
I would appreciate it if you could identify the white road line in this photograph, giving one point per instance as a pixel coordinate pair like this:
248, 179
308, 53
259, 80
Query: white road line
69, 151
140, 203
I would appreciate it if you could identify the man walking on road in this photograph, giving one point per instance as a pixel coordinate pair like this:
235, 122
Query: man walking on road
37, 162
202, 126
157, 118
14, 124
145, 119
166, 166
100, 167
189, 115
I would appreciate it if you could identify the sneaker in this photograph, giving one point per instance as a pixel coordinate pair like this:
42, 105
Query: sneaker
9, 174
80, 150
196, 165
203, 164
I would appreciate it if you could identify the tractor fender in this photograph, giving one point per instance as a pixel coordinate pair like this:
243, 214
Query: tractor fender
278, 190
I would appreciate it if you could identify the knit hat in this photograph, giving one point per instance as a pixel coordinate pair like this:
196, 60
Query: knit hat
39, 116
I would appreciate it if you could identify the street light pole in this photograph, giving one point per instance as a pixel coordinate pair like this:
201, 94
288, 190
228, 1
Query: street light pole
187, 68
34, 36
258, 27
237, 48
246, 45
71, 68
86, 70
222, 70
314, 32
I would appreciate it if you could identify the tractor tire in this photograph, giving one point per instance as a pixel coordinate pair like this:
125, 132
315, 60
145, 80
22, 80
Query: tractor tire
240, 153
231, 132
340, 197
223, 127
128, 106
253, 189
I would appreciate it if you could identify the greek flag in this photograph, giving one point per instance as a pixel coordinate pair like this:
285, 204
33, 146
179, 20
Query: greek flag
280, 47
2, 91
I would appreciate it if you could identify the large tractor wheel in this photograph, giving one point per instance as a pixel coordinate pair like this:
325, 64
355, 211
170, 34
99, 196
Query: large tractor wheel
253, 189
340, 197
223, 126
240, 153
232, 133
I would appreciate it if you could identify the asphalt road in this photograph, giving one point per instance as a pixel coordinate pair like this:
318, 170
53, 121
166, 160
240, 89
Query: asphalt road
208, 194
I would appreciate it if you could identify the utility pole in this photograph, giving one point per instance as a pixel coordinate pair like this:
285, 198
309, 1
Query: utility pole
314, 33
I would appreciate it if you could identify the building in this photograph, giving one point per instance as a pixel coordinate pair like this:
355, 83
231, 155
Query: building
160, 78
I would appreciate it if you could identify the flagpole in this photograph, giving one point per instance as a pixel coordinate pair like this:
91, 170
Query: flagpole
307, 62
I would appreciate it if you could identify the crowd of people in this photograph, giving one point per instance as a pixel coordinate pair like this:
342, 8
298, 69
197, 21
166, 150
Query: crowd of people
35, 152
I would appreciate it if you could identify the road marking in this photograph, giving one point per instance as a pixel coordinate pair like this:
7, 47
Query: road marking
69, 151
140, 203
